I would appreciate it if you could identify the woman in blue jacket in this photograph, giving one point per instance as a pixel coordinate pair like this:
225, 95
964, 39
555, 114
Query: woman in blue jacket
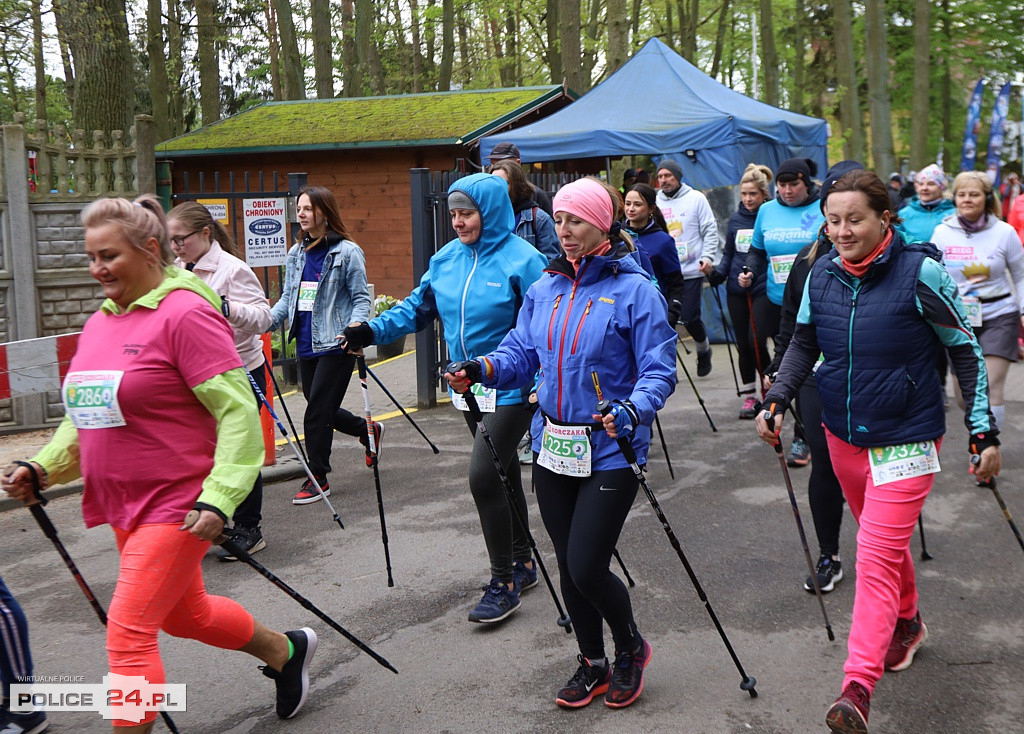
926, 209
596, 327
476, 284
739, 233
644, 218
324, 289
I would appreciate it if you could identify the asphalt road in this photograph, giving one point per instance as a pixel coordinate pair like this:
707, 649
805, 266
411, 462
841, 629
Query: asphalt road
729, 508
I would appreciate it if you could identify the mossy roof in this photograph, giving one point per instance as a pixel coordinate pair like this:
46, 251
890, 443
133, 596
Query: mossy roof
433, 118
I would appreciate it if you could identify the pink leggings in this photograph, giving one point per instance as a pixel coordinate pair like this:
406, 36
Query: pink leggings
886, 586
160, 586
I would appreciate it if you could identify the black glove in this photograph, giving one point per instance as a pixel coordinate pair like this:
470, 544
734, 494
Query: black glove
358, 336
716, 277
675, 309
474, 372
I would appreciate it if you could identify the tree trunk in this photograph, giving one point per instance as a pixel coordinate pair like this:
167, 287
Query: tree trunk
464, 49
635, 20
554, 47
688, 19
294, 86
209, 69
511, 47
499, 54
797, 102
65, 53
618, 33
716, 61
323, 65
668, 25
846, 74
104, 80
38, 61
569, 23
351, 81
444, 73
769, 59
175, 68
589, 58
920, 107
273, 50
417, 53
877, 62
364, 31
948, 151
159, 89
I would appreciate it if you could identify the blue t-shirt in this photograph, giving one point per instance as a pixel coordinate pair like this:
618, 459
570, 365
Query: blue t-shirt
781, 231
311, 272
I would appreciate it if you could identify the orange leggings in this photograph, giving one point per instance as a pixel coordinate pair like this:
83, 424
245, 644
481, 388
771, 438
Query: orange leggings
160, 587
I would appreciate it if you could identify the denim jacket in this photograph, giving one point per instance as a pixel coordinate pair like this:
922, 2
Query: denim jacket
341, 298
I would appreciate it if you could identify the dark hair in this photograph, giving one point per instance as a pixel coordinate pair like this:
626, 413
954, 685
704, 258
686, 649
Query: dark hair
616, 234
321, 198
519, 188
869, 184
195, 216
643, 176
651, 197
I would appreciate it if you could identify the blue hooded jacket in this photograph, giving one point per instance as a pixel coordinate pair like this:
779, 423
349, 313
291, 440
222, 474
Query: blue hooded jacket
476, 289
919, 221
606, 318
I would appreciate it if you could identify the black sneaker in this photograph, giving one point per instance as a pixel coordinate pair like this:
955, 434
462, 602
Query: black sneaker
248, 539
589, 682
829, 572
497, 603
703, 363
293, 680
31, 722
627, 681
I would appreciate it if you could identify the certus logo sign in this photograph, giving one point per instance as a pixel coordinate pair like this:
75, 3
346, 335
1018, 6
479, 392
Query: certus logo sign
265, 227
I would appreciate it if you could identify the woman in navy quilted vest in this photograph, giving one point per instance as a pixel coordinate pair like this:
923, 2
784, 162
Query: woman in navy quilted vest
877, 310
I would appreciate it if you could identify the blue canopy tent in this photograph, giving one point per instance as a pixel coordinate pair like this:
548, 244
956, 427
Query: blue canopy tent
659, 104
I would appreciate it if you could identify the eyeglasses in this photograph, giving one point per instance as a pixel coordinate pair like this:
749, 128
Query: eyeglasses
180, 240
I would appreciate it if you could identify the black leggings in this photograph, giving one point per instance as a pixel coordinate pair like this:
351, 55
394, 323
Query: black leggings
690, 315
584, 517
739, 312
249, 513
823, 490
324, 382
504, 536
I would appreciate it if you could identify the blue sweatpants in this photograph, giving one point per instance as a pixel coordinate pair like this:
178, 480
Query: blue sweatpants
15, 659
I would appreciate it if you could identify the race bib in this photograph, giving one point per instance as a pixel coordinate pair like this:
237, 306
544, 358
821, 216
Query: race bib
486, 398
743, 239
781, 266
565, 450
972, 305
307, 294
907, 460
90, 399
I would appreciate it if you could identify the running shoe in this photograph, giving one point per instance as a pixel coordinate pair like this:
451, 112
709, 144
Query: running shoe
31, 722
703, 363
523, 577
248, 539
829, 572
627, 681
497, 603
750, 407
849, 714
378, 436
308, 493
908, 636
293, 680
589, 682
799, 453
524, 451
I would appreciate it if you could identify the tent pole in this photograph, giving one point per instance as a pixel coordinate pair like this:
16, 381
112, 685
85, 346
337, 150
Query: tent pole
608, 169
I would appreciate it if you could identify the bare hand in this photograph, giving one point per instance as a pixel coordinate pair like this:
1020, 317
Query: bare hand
989, 465
208, 526
17, 483
745, 279
458, 381
767, 434
705, 266
608, 421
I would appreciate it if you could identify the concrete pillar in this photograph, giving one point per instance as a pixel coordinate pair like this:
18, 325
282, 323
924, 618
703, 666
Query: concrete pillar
145, 160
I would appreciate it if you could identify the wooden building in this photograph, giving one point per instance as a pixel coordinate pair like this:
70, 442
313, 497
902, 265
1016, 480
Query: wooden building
362, 149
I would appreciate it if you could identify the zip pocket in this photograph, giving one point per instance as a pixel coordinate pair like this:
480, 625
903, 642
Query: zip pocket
551, 325
579, 328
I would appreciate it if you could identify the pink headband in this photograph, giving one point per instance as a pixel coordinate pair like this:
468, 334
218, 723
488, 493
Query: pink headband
932, 173
588, 200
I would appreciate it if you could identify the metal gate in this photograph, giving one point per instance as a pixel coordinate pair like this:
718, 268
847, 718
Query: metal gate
232, 191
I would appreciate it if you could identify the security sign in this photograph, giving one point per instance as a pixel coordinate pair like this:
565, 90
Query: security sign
265, 231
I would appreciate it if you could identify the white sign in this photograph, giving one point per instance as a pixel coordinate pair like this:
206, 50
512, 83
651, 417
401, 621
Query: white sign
265, 228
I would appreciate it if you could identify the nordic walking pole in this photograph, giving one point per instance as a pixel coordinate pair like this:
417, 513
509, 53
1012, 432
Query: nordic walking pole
284, 405
226, 541
300, 457
991, 484
629, 579
777, 446
753, 332
925, 555
478, 418
604, 407
399, 406
664, 448
725, 330
700, 400
372, 454
50, 531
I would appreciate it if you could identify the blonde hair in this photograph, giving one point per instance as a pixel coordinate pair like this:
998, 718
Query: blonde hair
139, 221
992, 205
759, 175
195, 216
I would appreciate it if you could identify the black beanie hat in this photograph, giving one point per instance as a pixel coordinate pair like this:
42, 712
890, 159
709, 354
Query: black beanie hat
794, 169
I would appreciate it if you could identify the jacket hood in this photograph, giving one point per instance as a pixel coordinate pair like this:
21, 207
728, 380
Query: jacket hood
942, 205
813, 194
684, 189
497, 220
897, 245
175, 279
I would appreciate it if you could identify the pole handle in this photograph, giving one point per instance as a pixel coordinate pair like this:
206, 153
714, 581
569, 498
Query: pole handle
193, 517
604, 407
474, 408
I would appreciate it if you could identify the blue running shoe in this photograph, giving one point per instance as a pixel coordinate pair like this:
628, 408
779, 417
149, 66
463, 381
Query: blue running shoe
524, 578
32, 722
498, 603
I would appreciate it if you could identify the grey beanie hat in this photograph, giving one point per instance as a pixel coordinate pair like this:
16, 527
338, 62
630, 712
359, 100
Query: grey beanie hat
672, 167
461, 200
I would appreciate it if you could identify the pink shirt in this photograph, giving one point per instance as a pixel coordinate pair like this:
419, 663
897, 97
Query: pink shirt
151, 470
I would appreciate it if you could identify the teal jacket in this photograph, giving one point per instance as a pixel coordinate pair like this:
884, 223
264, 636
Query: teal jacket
919, 221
